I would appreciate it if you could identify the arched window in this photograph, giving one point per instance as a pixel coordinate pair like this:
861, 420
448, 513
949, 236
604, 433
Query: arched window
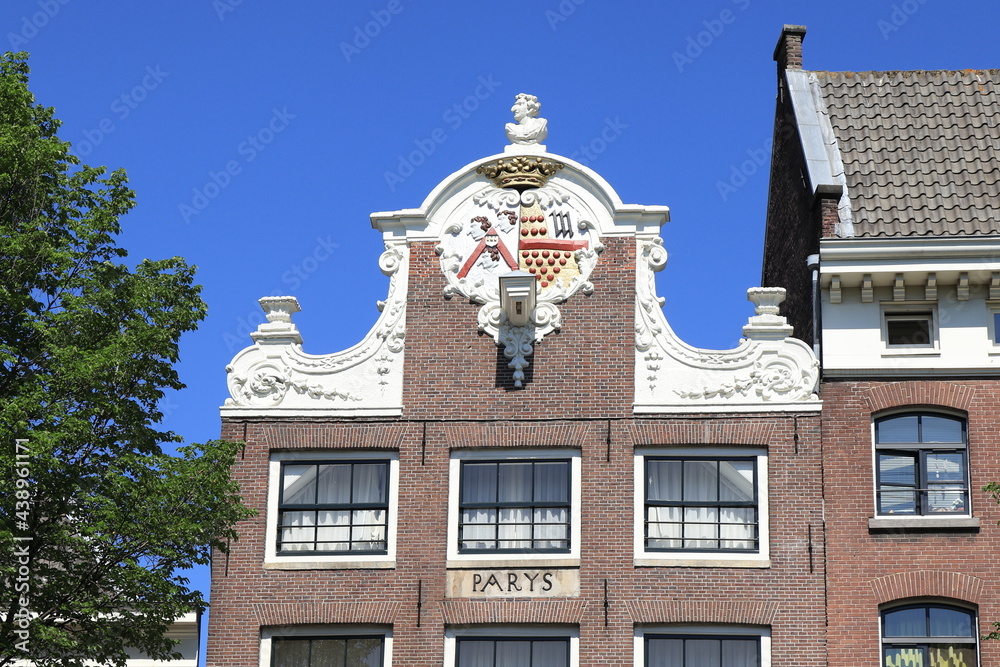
928, 635
921, 464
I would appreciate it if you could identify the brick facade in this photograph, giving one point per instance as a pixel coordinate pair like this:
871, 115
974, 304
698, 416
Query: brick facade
868, 569
458, 395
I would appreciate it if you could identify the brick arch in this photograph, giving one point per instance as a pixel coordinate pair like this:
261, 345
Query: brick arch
924, 392
753, 612
928, 583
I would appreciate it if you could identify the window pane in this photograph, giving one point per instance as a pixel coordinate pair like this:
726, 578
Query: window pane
736, 480
664, 652
370, 483
701, 652
479, 529
290, 653
897, 469
298, 484
552, 482
513, 654
664, 480
334, 485
364, 652
912, 330
701, 480
897, 429
664, 528
475, 653
328, 653
740, 653
550, 654
905, 657
701, 528
479, 483
940, 499
950, 622
940, 429
515, 483
334, 533
946, 467
905, 623
944, 655
297, 530
897, 501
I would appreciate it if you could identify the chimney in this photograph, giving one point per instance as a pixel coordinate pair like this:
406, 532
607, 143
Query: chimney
788, 52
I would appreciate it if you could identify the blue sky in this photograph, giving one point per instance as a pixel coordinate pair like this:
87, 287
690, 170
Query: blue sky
259, 136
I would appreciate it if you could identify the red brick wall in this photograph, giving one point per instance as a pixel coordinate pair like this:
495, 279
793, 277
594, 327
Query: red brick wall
870, 568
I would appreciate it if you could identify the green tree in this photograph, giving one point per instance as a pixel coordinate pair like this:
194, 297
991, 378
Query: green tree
97, 521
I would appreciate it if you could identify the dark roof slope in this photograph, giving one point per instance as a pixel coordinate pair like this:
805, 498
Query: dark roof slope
920, 149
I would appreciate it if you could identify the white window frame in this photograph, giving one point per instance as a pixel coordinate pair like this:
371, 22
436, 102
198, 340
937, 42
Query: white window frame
694, 557
570, 559
451, 634
893, 310
267, 634
993, 312
931, 602
313, 561
763, 632
932, 520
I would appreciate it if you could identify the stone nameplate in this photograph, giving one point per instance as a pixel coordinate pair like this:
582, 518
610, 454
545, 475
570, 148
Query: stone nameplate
513, 583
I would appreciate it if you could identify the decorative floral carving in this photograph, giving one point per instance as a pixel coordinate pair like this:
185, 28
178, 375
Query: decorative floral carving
517, 346
766, 369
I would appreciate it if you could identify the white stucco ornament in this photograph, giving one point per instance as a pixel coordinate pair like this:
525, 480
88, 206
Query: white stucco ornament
520, 222
768, 371
528, 129
274, 375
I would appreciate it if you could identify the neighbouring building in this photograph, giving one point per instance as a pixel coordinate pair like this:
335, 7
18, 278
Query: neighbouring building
884, 226
522, 465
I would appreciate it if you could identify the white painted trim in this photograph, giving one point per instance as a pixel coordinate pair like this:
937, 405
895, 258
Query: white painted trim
571, 559
658, 408
238, 412
639, 637
272, 561
571, 632
695, 558
326, 631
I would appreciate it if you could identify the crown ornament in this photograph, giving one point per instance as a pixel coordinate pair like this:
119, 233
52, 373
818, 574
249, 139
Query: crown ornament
520, 172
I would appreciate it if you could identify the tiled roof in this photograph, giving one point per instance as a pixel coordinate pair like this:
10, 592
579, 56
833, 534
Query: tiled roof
921, 150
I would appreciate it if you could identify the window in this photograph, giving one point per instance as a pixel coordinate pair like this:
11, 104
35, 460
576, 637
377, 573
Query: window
326, 646
921, 465
514, 508
364, 651
512, 646
909, 327
701, 503
336, 508
512, 652
703, 646
931, 635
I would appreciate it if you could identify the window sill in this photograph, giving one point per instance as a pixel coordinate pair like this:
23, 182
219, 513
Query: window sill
911, 352
329, 564
749, 562
522, 560
970, 523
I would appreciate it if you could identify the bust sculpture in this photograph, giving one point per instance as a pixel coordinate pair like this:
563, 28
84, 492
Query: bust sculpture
529, 128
